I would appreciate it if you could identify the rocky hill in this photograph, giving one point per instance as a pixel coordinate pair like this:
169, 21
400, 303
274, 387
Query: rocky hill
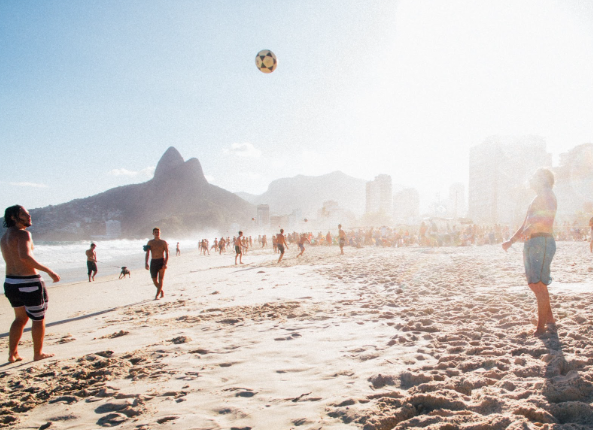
309, 192
178, 199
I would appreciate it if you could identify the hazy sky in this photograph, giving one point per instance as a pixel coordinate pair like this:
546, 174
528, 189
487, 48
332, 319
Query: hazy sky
93, 92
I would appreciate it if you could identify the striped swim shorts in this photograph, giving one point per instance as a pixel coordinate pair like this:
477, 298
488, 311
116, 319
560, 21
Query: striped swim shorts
27, 291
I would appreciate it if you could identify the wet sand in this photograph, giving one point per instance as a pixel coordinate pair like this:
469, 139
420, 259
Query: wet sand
375, 339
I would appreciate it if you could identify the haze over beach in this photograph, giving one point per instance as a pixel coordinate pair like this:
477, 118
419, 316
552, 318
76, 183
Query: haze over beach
398, 144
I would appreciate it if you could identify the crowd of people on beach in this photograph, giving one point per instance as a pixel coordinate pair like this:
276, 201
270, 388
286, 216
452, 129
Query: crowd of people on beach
25, 288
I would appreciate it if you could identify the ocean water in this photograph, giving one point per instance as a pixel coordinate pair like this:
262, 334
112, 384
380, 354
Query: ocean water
68, 259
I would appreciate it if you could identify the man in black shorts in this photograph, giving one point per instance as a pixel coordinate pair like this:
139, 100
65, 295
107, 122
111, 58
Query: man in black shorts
281, 243
91, 261
24, 288
239, 248
158, 264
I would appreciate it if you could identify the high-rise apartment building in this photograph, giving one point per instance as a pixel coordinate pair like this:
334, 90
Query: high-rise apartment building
379, 195
574, 182
263, 215
499, 170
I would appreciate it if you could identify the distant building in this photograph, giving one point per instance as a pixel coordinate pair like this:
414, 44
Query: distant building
406, 206
574, 182
498, 172
456, 206
379, 195
263, 215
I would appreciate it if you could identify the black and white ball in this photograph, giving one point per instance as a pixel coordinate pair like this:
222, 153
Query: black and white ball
266, 61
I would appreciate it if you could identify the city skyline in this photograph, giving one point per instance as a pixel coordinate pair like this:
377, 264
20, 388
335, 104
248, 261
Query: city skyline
94, 92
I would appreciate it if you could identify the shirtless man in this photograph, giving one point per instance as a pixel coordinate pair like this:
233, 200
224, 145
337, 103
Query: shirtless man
221, 244
341, 238
281, 243
91, 261
24, 288
540, 246
301, 242
177, 250
264, 241
239, 248
158, 264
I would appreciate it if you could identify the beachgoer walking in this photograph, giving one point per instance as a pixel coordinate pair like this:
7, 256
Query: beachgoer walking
23, 287
301, 242
177, 250
281, 243
158, 264
91, 261
239, 248
342, 238
540, 246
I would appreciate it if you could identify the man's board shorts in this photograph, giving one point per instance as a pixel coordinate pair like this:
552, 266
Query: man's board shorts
237, 249
537, 256
281, 248
156, 264
92, 266
27, 291
302, 246
342, 242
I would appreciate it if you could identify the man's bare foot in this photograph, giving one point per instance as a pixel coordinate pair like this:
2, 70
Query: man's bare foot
539, 332
42, 356
14, 358
162, 294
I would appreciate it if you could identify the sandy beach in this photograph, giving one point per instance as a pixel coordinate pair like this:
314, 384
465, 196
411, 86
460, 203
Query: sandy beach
380, 338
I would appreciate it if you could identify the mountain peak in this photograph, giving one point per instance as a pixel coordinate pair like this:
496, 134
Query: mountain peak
170, 160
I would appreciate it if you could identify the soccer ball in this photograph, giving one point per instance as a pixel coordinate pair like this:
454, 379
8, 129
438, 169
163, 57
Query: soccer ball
266, 61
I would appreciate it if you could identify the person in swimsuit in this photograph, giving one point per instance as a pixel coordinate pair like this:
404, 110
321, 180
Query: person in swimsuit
23, 287
281, 243
239, 248
177, 250
91, 261
221, 244
540, 246
342, 238
158, 264
301, 242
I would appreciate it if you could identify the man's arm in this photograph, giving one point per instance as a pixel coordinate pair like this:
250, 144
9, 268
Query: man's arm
520, 232
147, 255
166, 254
24, 246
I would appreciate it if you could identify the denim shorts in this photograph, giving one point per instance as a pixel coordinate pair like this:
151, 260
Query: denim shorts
537, 256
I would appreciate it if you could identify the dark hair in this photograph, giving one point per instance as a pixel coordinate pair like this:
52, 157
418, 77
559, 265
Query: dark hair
281, 230
10, 213
240, 233
156, 228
